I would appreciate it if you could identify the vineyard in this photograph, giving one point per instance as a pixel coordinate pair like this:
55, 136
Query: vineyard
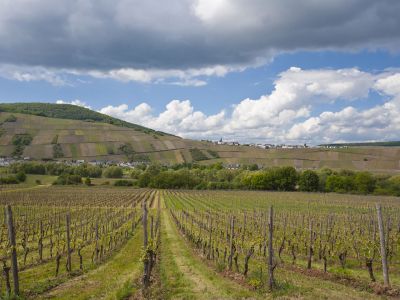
125, 243
61, 233
258, 234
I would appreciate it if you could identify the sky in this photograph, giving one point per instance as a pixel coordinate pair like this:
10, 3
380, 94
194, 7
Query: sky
278, 71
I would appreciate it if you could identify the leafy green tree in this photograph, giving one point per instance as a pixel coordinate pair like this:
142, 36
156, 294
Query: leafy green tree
339, 184
123, 182
144, 179
364, 182
21, 177
113, 172
68, 179
309, 181
285, 178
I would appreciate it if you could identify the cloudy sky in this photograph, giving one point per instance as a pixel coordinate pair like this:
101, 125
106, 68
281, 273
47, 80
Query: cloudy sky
250, 70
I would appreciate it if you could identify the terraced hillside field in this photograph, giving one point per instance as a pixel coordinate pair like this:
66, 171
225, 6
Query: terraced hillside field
87, 243
55, 138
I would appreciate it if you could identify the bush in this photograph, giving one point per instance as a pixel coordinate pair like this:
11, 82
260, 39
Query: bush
57, 151
20, 141
21, 177
113, 172
9, 180
123, 182
339, 184
197, 154
135, 174
364, 182
308, 181
86, 170
88, 182
11, 118
68, 179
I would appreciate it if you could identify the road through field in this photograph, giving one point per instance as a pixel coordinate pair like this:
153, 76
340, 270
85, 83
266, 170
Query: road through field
185, 276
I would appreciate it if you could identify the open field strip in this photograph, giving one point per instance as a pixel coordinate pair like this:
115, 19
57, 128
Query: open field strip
106, 281
186, 277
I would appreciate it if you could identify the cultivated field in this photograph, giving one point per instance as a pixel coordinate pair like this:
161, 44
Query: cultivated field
101, 141
87, 242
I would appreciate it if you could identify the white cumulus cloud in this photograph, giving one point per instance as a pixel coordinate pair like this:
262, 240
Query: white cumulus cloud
288, 113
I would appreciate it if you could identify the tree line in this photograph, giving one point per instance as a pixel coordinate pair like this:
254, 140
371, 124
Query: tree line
215, 176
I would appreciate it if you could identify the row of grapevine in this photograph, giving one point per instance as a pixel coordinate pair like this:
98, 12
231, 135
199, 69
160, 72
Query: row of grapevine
233, 233
78, 229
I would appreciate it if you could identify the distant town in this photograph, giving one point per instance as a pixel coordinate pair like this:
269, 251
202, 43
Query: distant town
275, 146
6, 161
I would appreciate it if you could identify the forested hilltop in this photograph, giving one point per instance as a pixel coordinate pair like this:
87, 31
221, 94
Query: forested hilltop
68, 111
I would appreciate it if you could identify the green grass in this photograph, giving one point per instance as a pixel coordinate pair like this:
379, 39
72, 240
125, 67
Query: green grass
44, 179
112, 280
185, 276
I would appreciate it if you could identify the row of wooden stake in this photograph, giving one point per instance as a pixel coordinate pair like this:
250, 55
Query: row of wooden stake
150, 253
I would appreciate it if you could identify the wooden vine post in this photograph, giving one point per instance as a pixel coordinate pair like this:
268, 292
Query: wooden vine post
40, 242
69, 262
383, 246
14, 262
231, 244
310, 246
271, 265
146, 274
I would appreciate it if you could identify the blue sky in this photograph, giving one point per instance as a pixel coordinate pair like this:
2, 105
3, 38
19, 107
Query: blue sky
325, 72
218, 94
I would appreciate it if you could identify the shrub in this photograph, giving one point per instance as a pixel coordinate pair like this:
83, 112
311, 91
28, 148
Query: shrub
57, 151
364, 182
113, 172
339, 184
9, 180
20, 141
21, 177
86, 170
197, 154
68, 179
11, 118
309, 181
123, 182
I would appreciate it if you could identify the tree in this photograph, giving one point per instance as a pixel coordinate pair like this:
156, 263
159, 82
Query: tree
285, 178
88, 182
113, 172
309, 181
364, 182
21, 177
339, 184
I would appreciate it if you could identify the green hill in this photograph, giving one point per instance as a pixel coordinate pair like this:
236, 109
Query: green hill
68, 111
56, 131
